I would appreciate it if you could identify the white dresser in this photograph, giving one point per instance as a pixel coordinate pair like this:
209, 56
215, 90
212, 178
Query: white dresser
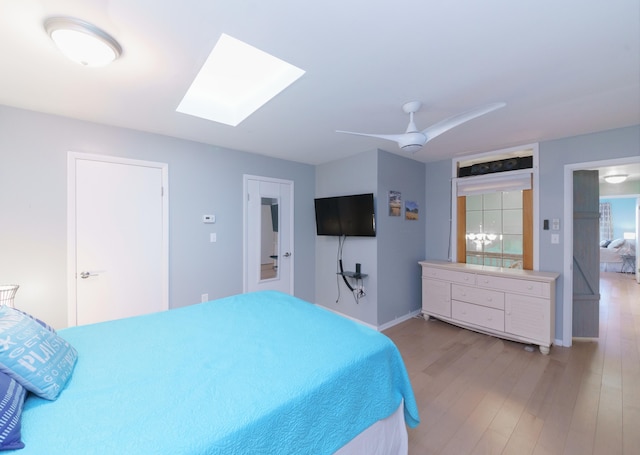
508, 303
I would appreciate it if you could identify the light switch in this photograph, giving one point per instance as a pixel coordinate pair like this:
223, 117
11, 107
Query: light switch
213, 237
555, 224
555, 238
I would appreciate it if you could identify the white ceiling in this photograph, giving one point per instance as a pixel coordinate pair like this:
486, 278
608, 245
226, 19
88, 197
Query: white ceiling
632, 171
563, 68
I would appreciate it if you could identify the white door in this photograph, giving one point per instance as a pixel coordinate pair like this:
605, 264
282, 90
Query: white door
118, 248
268, 234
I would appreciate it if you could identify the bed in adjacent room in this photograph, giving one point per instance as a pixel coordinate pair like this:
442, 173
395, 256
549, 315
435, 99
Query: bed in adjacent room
611, 252
258, 373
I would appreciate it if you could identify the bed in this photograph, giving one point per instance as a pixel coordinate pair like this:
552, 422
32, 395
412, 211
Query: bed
258, 373
611, 253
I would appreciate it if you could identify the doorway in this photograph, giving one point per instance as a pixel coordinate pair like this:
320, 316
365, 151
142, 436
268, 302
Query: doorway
567, 296
117, 238
268, 234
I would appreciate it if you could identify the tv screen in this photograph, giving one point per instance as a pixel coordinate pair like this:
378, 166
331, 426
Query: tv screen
346, 215
327, 217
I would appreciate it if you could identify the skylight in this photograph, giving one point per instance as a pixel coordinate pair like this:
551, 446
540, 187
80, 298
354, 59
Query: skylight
235, 81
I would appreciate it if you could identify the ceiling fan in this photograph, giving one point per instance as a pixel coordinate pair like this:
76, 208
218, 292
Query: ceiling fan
413, 139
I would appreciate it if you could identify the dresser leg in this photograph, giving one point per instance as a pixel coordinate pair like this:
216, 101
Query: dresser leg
544, 350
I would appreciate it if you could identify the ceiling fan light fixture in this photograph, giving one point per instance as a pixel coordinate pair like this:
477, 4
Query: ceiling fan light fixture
412, 141
618, 178
413, 148
82, 42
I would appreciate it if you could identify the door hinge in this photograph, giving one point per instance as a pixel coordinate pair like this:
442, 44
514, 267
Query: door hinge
162, 191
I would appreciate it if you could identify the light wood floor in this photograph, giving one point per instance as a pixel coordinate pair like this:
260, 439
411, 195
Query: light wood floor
481, 395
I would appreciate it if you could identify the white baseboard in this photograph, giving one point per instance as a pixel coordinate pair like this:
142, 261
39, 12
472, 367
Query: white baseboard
347, 316
380, 328
397, 321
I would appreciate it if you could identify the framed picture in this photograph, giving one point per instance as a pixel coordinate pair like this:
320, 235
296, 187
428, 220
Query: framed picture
395, 203
411, 211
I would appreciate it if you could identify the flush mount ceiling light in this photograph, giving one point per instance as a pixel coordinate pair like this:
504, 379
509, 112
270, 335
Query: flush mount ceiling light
82, 42
619, 178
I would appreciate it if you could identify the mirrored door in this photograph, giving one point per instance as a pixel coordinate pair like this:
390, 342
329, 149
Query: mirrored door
269, 251
268, 234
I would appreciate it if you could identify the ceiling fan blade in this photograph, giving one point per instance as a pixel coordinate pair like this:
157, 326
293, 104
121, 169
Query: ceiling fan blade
389, 137
445, 125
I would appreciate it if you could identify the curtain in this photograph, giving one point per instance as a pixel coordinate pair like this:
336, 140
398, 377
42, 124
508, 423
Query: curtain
606, 222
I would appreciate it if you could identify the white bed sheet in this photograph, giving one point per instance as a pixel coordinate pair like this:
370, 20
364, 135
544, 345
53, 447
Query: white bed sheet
610, 260
385, 437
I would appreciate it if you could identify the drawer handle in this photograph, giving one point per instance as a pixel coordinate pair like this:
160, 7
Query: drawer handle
489, 299
529, 287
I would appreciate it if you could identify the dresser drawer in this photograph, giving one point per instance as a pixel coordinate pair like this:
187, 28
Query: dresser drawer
436, 297
528, 316
449, 275
478, 315
484, 297
528, 287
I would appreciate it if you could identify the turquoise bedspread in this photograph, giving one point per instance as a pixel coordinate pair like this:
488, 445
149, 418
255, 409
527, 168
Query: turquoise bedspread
258, 373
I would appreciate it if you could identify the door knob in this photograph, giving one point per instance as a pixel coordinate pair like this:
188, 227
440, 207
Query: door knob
85, 275
287, 254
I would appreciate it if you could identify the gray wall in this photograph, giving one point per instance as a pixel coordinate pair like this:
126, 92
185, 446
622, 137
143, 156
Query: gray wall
438, 209
401, 242
620, 189
354, 175
554, 155
393, 284
202, 179
206, 179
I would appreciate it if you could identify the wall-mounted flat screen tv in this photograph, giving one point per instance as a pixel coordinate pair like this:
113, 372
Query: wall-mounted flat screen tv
352, 215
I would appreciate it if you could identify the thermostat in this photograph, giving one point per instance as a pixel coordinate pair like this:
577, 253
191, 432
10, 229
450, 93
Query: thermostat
208, 219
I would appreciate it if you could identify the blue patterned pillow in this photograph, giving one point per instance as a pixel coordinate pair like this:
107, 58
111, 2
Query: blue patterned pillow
11, 400
40, 360
42, 323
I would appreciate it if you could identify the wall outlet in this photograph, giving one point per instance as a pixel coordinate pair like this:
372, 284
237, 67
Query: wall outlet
204, 298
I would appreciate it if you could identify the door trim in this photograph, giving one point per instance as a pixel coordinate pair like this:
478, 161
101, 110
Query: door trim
72, 158
245, 227
567, 294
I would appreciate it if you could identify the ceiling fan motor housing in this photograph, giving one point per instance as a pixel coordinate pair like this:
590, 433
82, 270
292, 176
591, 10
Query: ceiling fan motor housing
412, 142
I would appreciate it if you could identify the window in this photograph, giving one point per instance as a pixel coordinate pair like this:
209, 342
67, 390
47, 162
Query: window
494, 229
494, 214
606, 222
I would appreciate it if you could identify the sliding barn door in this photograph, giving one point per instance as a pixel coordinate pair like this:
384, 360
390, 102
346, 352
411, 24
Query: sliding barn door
586, 254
